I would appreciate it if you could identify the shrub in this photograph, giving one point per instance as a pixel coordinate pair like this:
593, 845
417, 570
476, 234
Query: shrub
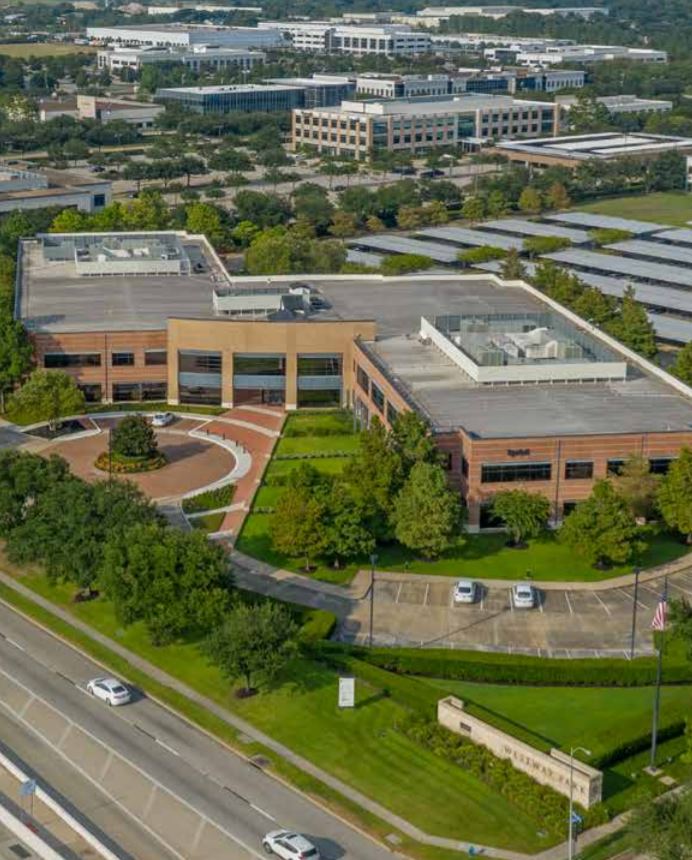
401, 264
209, 500
536, 245
319, 625
480, 255
313, 455
120, 465
609, 235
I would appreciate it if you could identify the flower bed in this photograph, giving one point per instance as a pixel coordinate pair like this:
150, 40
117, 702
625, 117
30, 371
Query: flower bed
120, 465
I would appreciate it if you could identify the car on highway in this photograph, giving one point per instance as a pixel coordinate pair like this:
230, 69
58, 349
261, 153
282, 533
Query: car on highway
109, 690
523, 595
289, 846
161, 419
465, 591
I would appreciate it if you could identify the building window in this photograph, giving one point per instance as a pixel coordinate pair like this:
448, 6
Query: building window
209, 395
199, 362
377, 397
576, 469
247, 364
91, 392
363, 379
392, 414
123, 359
149, 391
319, 365
615, 467
315, 398
505, 473
155, 357
72, 359
464, 467
99, 200
660, 465
125, 391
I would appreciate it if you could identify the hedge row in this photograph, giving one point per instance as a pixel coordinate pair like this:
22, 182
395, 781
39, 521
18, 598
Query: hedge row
494, 668
209, 500
314, 455
636, 745
319, 625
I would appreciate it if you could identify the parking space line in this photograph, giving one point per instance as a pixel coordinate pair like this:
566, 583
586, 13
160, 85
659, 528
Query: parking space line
427, 591
451, 598
482, 599
680, 588
541, 598
651, 590
398, 592
511, 602
569, 605
631, 598
595, 594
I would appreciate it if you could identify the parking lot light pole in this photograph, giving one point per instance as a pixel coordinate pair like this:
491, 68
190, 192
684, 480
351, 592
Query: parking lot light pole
637, 571
373, 562
570, 837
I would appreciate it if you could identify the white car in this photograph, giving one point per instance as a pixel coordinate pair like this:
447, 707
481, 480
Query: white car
523, 596
289, 846
162, 419
465, 591
109, 690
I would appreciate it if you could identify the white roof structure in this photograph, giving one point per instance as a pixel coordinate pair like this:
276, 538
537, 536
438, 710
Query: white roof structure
592, 221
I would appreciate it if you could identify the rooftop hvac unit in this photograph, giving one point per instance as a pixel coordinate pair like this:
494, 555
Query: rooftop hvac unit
491, 358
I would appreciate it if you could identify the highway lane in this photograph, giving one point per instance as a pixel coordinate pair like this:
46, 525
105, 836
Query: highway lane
225, 788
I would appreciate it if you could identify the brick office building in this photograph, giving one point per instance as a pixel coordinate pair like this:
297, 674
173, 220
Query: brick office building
518, 391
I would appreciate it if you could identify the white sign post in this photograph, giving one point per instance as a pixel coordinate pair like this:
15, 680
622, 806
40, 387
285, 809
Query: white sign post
347, 692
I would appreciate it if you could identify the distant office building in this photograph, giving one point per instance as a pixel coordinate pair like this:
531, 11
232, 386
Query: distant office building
23, 188
325, 37
573, 150
359, 128
619, 104
185, 36
118, 59
588, 54
138, 114
232, 98
433, 16
319, 91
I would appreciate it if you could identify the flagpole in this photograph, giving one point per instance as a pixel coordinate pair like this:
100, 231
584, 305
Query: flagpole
659, 672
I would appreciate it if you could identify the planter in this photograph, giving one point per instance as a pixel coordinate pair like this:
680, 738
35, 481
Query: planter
119, 465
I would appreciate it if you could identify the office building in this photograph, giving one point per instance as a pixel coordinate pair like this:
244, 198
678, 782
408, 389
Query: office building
518, 391
141, 115
185, 36
389, 40
584, 54
360, 128
253, 97
319, 91
25, 187
199, 57
433, 16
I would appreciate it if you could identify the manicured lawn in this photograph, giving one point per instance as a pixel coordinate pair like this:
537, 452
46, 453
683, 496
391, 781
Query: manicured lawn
596, 718
317, 423
43, 49
316, 444
328, 465
301, 711
672, 207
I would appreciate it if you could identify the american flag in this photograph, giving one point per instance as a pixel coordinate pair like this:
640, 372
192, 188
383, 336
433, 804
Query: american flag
661, 614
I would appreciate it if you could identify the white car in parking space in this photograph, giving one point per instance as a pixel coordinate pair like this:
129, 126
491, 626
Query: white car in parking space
524, 596
289, 846
109, 690
162, 419
465, 591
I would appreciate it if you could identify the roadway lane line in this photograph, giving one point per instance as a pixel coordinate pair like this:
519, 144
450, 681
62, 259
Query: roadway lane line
262, 812
12, 642
604, 605
165, 746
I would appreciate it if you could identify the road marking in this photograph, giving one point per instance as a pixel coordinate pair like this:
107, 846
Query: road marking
398, 591
12, 642
482, 599
569, 605
630, 598
166, 746
680, 588
595, 594
427, 590
540, 599
511, 602
262, 812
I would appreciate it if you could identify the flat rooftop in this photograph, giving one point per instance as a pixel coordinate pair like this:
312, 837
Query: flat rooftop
229, 88
54, 297
428, 105
602, 146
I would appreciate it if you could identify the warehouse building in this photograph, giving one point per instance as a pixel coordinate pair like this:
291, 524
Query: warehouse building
517, 390
185, 36
359, 128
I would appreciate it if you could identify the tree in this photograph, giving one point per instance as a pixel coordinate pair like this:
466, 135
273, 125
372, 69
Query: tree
524, 514
299, 521
601, 528
473, 209
134, 437
346, 532
176, 582
632, 326
530, 201
436, 212
637, 486
426, 512
23, 479
254, 642
244, 232
661, 828
409, 217
204, 218
343, 224
557, 197
496, 204
536, 245
512, 267
374, 224
47, 395
412, 442
682, 367
69, 221
15, 353
674, 496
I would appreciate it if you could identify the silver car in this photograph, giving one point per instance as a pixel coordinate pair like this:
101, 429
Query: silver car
523, 596
109, 690
289, 846
465, 591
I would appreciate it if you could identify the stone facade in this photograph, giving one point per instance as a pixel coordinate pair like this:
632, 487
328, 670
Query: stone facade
551, 769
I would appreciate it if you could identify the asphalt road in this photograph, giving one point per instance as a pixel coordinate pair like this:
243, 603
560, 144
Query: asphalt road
218, 784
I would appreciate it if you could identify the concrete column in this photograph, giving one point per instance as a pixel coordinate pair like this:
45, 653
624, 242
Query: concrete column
227, 378
291, 380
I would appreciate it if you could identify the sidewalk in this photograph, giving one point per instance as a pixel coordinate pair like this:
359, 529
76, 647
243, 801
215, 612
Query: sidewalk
558, 852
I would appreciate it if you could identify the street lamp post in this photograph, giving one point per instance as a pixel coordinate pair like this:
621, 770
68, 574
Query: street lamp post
373, 562
570, 845
634, 611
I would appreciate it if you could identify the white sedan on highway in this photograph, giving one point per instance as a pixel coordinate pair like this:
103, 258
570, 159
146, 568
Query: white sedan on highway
289, 846
109, 690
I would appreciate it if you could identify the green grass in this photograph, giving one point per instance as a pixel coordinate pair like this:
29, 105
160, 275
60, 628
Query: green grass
311, 423
328, 465
595, 718
208, 523
43, 49
316, 444
671, 207
301, 711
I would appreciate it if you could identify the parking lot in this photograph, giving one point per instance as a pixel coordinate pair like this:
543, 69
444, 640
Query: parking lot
421, 611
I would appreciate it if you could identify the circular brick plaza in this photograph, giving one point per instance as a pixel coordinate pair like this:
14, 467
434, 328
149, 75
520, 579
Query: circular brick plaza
191, 463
